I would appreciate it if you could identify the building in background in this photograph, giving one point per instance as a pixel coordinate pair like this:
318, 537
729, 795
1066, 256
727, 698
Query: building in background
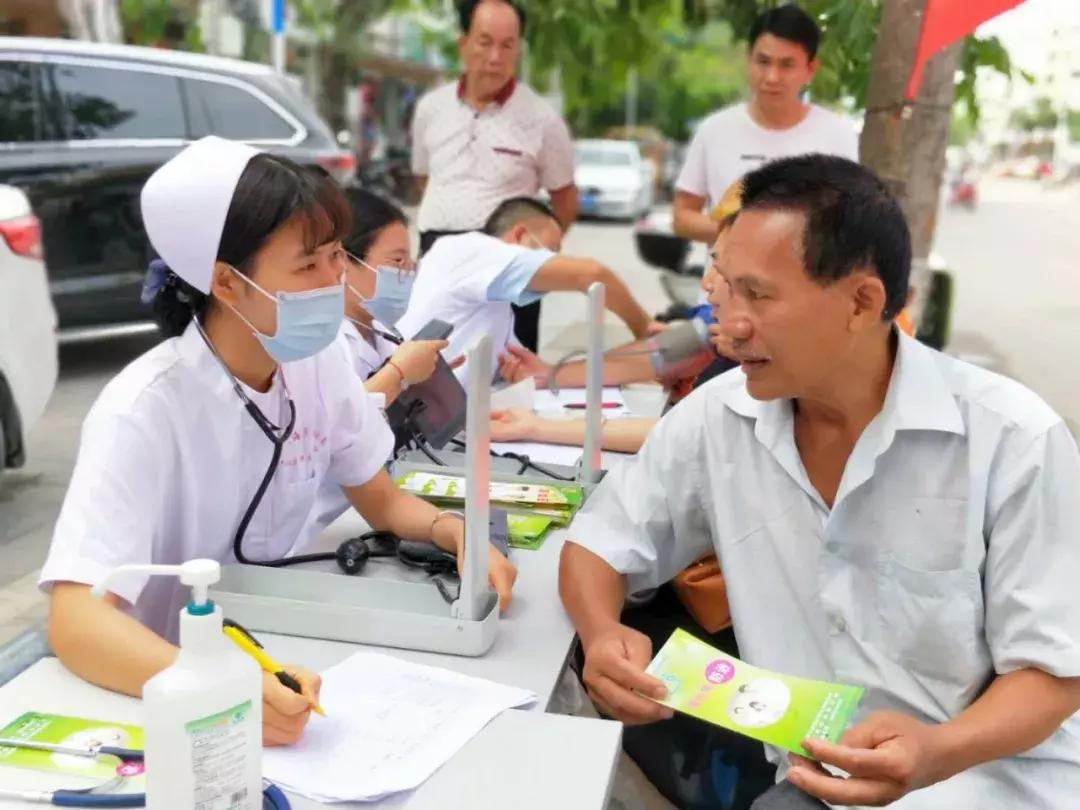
1048, 49
94, 20
396, 68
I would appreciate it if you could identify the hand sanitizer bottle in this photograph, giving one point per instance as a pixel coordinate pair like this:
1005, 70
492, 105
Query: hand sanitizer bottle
202, 716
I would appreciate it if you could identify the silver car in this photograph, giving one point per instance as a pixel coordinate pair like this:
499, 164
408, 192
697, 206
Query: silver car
614, 180
28, 358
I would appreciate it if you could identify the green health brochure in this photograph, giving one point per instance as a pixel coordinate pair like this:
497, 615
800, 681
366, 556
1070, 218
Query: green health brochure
780, 710
74, 732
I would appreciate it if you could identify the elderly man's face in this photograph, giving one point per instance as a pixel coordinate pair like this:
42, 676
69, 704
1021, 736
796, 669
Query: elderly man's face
489, 52
789, 332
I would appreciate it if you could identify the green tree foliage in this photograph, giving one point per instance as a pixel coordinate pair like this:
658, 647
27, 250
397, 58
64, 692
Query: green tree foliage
589, 46
849, 30
338, 27
848, 34
1041, 115
695, 73
690, 55
160, 23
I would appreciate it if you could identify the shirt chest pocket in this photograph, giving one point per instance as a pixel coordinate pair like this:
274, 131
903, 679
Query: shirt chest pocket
929, 592
510, 158
931, 621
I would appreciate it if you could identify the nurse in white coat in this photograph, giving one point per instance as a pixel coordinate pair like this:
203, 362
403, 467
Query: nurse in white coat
378, 285
245, 397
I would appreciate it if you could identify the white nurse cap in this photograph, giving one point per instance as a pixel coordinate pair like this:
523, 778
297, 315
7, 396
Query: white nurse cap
185, 202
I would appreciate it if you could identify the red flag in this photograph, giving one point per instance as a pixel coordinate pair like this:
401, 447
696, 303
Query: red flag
944, 22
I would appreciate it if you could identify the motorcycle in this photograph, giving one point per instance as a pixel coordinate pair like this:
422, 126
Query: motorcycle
390, 176
963, 193
659, 247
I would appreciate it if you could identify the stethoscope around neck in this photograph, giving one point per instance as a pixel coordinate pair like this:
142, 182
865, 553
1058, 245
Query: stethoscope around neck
277, 435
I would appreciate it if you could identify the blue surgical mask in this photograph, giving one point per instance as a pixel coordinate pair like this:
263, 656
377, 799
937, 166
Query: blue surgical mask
393, 288
307, 322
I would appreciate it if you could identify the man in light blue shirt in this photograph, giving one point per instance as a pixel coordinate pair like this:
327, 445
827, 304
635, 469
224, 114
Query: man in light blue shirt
884, 515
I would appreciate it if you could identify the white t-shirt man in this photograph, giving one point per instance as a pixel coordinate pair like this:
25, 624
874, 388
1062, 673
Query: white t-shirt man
469, 281
169, 461
729, 143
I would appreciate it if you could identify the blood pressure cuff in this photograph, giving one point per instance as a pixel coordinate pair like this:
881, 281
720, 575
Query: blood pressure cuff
427, 557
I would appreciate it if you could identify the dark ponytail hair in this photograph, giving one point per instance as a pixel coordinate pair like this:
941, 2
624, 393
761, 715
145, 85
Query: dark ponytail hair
271, 191
370, 215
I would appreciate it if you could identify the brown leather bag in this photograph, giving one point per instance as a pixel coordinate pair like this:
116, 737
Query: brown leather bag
703, 592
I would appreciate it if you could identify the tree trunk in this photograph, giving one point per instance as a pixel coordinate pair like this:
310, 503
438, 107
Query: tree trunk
335, 73
907, 148
337, 58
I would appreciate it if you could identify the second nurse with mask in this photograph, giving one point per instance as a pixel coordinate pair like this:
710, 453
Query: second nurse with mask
379, 281
245, 397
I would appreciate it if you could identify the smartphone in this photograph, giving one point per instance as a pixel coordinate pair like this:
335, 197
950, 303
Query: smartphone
434, 330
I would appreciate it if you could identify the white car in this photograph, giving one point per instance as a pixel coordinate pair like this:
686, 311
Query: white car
28, 358
613, 179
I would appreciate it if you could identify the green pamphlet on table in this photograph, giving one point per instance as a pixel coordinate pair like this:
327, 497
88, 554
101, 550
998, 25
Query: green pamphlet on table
528, 531
533, 509
74, 732
780, 710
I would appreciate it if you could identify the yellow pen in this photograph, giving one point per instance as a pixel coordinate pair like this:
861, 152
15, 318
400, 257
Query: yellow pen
249, 644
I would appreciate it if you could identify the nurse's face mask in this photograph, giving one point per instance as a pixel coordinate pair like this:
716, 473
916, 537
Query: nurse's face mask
393, 289
307, 321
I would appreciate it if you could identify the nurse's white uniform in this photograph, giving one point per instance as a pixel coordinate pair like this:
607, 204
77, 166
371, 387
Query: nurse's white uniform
330, 501
367, 358
170, 459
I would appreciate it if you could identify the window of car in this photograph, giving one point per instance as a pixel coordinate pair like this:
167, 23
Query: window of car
602, 156
118, 103
20, 115
218, 108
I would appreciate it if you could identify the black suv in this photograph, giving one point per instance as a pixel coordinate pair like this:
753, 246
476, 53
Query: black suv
82, 126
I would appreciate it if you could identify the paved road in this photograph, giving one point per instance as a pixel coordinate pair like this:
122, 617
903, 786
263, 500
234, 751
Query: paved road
1017, 264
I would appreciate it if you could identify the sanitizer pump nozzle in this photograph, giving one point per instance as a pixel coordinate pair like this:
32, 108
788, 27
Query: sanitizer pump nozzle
202, 716
199, 575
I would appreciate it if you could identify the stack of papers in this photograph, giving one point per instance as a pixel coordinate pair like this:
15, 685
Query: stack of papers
519, 395
389, 726
556, 501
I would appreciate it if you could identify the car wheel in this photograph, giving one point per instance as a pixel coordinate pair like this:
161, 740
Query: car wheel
11, 452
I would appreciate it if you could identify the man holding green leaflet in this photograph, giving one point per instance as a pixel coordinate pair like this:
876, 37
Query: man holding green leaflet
885, 516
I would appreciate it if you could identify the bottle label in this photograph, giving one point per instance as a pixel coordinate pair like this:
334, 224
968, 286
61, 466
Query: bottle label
219, 752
